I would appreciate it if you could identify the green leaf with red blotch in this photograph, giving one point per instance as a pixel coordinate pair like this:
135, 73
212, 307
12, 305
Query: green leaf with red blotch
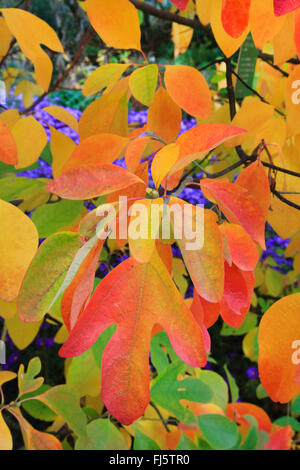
235, 16
135, 296
8, 146
282, 7
91, 181
46, 274
238, 206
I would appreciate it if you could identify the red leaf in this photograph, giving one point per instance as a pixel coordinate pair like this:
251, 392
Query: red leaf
238, 206
281, 439
281, 7
181, 4
235, 16
81, 287
211, 310
91, 181
134, 296
243, 252
235, 411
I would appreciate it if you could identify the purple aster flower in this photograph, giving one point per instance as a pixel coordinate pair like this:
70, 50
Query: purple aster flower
252, 373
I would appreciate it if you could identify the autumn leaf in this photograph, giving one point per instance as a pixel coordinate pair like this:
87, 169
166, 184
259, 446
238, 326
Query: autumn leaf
282, 7
278, 335
96, 149
163, 162
142, 83
18, 244
105, 76
30, 138
53, 258
8, 147
33, 439
181, 4
188, 88
30, 32
6, 442
116, 22
242, 250
235, 16
236, 411
91, 181
163, 105
132, 306
238, 206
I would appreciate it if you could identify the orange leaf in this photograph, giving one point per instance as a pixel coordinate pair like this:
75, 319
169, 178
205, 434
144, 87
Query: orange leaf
6, 442
254, 179
116, 22
235, 411
162, 106
91, 181
279, 330
125, 297
188, 88
281, 439
33, 439
181, 4
8, 147
96, 149
264, 25
235, 16
243, 252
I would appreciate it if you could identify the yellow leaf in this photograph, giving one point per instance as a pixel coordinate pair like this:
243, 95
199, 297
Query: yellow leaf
6, 442
252, 115
116, 22
28, 90
18, 244
108, 114
10, 117
181, 37
30, 32
283, 41
142, 83
203, 11
228, 44
61, 148
8, 309
6, 376
5, 36
9, 75
105, 76
263, 23
163, 162
63, 115
30, 138
22, 334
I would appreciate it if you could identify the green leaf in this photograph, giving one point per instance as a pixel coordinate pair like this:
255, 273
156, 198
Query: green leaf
46, 274
167, 391
219, 431
83, 374
260, 392
217, 386
143, 442
288, 420
234, 390
249, 322
296, 405
64, 401
51, 218
159, 358
251, 440
186, 444
36, 408
15, 188
26, 380
102, 435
